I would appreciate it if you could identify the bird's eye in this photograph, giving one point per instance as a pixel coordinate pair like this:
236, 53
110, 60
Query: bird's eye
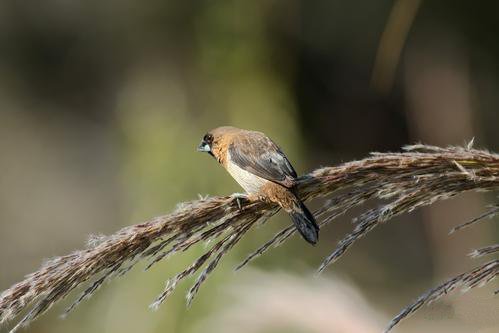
208, 138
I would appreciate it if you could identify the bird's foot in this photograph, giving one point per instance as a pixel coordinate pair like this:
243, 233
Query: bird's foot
240, 199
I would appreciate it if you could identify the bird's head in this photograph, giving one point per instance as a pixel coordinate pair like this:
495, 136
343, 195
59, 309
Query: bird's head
206, 144
216, 138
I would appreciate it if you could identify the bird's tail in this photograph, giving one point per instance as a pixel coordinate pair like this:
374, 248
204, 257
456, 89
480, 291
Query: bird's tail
305, 222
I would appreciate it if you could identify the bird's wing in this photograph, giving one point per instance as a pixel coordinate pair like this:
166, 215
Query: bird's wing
256, 153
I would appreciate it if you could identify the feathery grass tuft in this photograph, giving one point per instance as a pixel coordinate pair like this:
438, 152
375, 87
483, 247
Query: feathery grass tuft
478, 276
416, 177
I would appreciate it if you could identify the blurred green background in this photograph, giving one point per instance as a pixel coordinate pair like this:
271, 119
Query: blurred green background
102, 104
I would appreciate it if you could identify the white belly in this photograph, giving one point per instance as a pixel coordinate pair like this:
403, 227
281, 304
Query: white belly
248, 181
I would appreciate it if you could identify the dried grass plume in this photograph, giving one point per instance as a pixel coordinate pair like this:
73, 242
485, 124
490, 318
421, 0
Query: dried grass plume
418, 176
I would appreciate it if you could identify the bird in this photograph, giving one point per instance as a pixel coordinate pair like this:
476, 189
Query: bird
262, 170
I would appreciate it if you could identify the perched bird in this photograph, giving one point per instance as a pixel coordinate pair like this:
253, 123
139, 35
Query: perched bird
262, 170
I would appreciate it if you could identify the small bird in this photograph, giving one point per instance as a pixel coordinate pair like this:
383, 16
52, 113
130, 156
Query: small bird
262, 170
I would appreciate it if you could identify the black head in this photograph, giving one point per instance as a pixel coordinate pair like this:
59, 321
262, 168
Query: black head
206, 144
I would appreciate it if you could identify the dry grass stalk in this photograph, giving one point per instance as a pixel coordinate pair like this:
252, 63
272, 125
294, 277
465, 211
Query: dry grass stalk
484, 251
416, 177
478, 276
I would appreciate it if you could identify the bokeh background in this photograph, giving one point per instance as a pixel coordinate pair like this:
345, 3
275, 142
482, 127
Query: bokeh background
102, 104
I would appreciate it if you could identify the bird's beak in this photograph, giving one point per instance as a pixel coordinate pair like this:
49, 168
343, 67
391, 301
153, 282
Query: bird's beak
204, 147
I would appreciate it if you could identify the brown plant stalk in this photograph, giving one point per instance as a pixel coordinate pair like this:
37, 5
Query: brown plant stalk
418, 176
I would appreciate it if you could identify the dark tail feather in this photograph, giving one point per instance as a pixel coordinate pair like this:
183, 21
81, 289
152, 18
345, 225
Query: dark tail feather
305, 223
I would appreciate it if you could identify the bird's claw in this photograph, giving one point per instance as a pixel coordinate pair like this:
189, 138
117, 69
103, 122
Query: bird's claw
240, 198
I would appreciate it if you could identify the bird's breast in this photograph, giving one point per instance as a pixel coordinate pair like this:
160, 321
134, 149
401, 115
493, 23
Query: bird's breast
248, 181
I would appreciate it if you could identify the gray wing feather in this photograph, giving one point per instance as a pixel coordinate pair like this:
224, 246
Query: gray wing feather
262, 157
